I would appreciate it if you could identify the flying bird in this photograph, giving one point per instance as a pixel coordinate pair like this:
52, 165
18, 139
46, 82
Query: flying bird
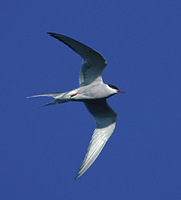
93, 92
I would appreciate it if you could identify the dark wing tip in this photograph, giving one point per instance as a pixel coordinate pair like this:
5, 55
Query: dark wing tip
53, 34
50, 33
77, 176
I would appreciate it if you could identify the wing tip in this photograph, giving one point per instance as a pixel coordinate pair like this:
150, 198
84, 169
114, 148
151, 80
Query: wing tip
52, 34
78, 175
59, 37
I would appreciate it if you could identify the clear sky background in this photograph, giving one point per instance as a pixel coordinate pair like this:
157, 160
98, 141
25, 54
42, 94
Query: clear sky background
41, 150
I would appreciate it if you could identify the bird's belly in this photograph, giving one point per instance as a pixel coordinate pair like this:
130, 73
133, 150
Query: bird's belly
90, 95
86, 93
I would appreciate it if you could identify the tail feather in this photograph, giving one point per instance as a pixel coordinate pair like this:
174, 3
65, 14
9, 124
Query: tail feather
52, 103
54, 95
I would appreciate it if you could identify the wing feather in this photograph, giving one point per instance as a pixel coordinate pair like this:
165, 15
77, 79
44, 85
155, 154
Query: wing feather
105, 118
93, 62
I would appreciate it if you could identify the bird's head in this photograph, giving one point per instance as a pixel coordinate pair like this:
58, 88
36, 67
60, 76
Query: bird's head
114, 89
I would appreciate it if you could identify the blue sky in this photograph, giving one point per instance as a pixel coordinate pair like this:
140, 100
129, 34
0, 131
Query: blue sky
41, 150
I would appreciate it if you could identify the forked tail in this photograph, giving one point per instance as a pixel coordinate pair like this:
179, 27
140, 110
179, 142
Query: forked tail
54, 95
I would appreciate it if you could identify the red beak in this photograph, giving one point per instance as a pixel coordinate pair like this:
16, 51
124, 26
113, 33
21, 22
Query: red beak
120, 91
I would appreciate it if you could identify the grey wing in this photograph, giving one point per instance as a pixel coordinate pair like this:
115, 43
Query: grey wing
105, 118
93, 62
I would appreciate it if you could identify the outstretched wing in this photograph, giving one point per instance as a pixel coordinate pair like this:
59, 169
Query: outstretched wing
105, 119
93, 62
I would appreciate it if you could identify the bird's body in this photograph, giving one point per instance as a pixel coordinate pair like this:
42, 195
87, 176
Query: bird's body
93, 92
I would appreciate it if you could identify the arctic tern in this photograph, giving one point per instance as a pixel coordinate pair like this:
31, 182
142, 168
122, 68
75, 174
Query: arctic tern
93, 92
